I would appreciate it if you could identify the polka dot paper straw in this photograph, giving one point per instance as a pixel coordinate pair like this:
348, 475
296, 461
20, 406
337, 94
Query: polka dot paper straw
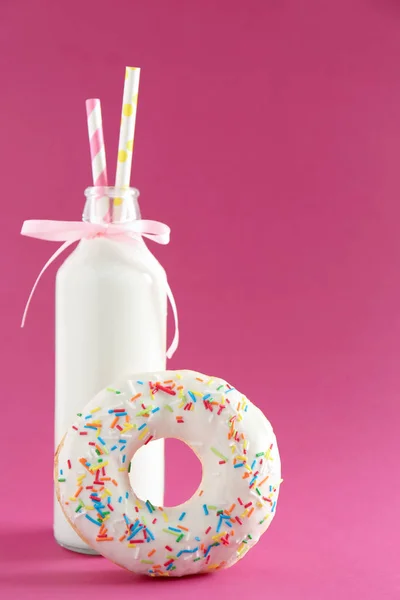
127, 133
98, 154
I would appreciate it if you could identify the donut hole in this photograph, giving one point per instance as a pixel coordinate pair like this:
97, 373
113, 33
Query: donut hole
183, 472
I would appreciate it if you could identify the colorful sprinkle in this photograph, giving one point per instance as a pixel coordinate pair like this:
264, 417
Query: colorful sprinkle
217, 453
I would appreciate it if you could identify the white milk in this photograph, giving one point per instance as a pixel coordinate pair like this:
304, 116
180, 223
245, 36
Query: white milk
111, 314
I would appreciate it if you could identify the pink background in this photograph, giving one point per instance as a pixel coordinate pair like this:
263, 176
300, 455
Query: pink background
268, 137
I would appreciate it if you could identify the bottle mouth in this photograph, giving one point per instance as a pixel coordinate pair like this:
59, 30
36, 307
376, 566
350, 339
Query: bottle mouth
109, 204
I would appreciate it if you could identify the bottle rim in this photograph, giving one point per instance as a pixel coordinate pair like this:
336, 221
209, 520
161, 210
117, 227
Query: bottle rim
112, 192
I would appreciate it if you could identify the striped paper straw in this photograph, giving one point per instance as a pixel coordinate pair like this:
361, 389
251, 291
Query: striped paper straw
97, 150
126, 133
98, 154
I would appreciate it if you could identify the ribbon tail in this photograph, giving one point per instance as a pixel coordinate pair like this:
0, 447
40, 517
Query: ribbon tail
174, 344
52, 258
148, 257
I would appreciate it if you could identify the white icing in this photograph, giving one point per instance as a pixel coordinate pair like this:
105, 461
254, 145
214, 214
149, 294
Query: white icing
238, 432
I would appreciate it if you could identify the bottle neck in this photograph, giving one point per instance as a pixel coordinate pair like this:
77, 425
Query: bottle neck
105, 205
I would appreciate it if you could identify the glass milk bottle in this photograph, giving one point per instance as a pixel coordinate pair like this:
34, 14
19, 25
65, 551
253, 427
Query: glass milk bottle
111, 311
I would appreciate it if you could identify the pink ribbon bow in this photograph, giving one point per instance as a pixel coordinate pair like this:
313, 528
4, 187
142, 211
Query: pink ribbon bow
73, 231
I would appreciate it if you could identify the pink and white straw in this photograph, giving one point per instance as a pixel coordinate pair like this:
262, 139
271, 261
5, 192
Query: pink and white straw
97, 149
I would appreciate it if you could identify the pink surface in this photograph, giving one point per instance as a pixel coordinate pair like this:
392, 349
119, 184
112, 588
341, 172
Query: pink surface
268, 137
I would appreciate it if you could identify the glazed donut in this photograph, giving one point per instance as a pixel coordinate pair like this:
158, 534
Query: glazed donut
237, 497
